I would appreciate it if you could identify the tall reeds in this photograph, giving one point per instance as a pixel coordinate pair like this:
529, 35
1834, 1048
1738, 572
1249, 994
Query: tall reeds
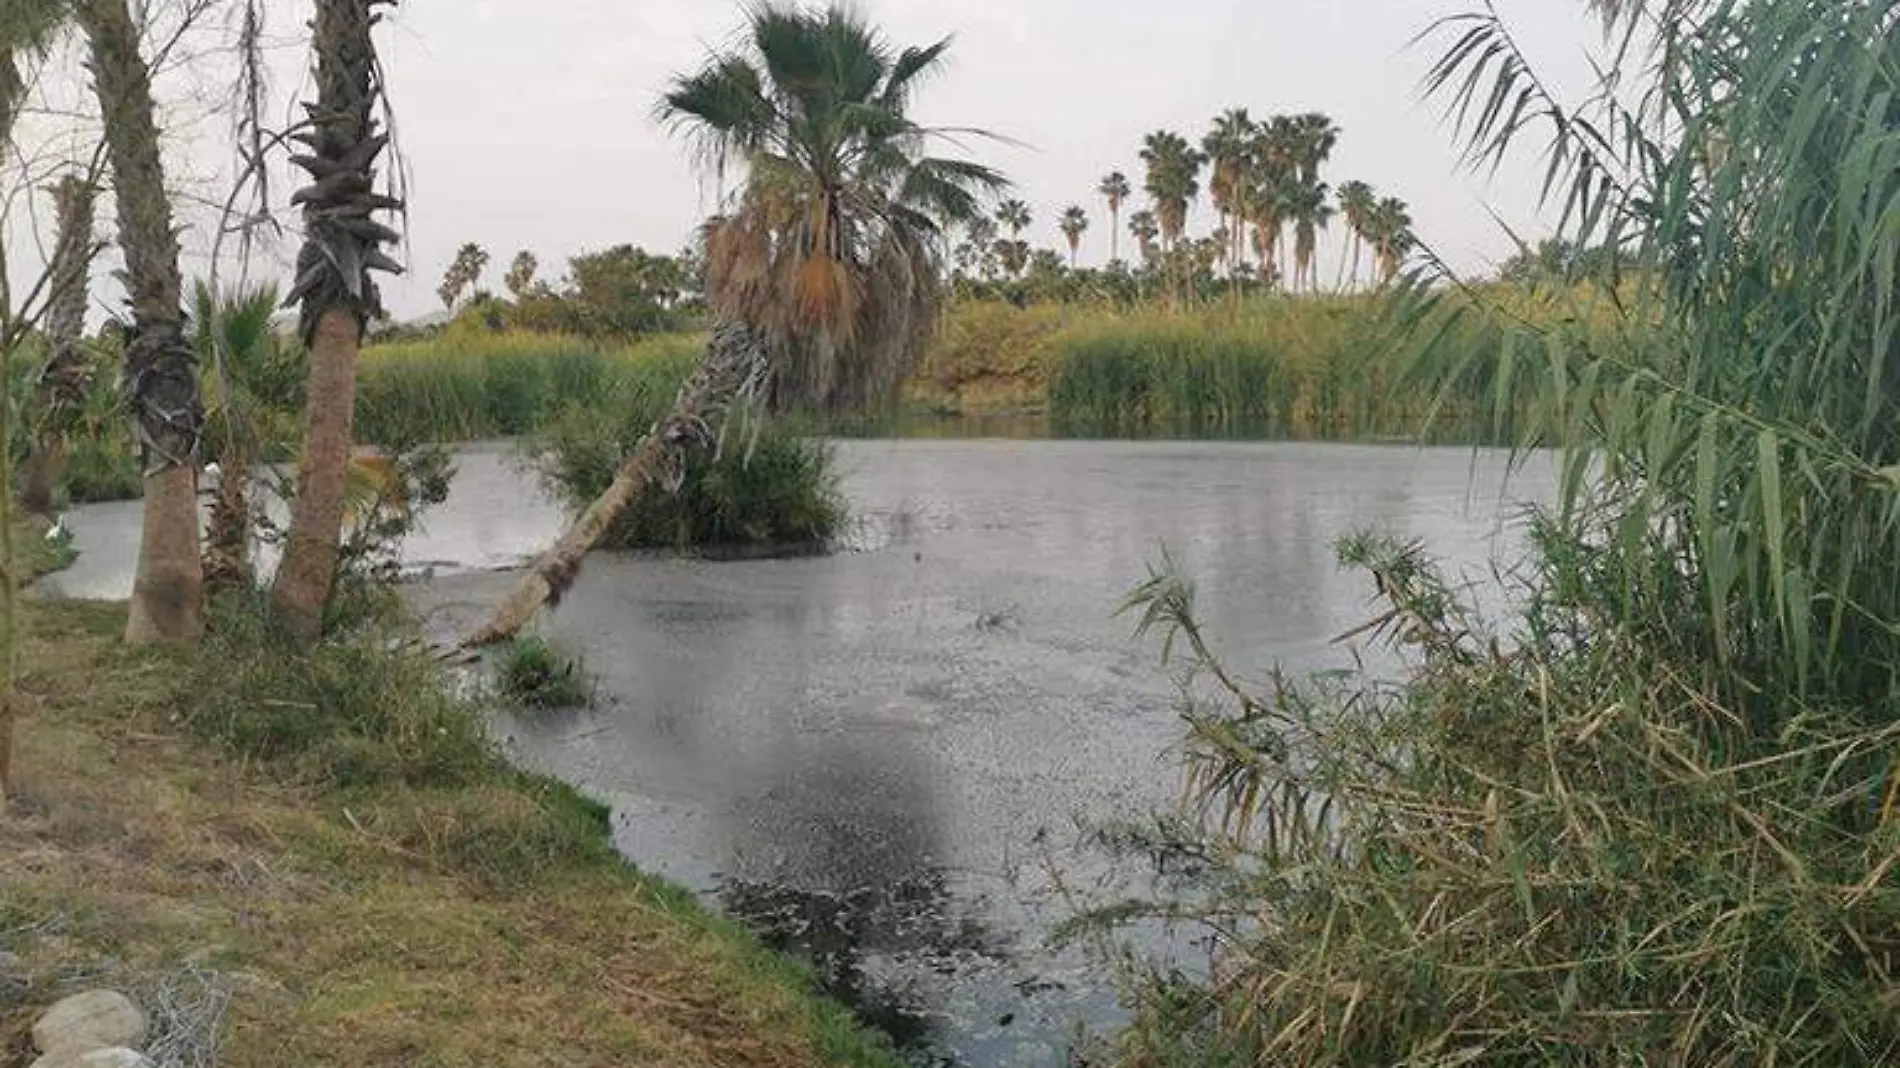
1654, 816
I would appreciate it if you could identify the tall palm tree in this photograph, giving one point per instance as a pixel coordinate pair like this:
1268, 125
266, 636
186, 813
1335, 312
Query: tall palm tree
1145, 229
1310, 208
1115, 190
1014, 216
1314, 137
1174, 169
1074, 223
1173, 182
342, 245
160, 363
824, 273
1356, 201
1391, 236
65, 380
1274, 168
1229, 150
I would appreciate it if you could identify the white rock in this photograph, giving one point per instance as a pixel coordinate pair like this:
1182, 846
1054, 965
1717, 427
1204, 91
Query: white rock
111, 1057
98, 1019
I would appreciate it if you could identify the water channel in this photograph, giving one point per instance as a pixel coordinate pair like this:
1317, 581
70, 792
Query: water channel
884, 759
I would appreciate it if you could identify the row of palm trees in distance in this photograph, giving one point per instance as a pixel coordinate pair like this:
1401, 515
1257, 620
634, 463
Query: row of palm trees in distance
1264, 181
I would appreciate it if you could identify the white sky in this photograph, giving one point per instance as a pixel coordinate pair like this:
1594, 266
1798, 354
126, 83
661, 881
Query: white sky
528, 123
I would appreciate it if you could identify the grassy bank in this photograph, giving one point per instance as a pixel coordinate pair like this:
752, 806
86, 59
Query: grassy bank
1270, 367
463, 386
329, 839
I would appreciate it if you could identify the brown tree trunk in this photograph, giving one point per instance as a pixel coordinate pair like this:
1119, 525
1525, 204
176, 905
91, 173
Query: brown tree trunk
168, 590
64, 381
342, 245
303, 579
734, 366
167, 415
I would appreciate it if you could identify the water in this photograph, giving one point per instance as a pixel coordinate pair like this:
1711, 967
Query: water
881, 759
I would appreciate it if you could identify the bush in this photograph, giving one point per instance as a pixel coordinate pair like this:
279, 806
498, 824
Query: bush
361, 709
532, 673
773, 488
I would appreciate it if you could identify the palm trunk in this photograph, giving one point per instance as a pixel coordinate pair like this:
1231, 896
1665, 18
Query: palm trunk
1114, 234
64, 381
167, 415
734, 366
341, 246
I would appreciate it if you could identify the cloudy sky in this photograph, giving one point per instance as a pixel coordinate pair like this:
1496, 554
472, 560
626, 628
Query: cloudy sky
527, 123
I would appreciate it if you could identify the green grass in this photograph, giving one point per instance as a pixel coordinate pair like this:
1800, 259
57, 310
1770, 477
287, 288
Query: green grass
773, 490
466, 385
1322, 367
531, 673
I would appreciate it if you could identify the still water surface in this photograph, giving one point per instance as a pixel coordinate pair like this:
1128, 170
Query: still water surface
881, 759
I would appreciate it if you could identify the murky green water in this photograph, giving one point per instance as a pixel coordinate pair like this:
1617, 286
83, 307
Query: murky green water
881, 758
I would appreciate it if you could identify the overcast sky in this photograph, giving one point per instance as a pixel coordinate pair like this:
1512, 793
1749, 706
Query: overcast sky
527, 123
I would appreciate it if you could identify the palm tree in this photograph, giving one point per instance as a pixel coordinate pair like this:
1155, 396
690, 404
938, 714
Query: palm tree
1309, 208
1014, 216
1391, 236
27, 27
1115, 190
1356, 201
66, 379
1274, 168
1074, 223
238, 330
1174, 169
824, 274
160, 363
1314, 137
982, 232
1144, 228
1229, 149
342, 245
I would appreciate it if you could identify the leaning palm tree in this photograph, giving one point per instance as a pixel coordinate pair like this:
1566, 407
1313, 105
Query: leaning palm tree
342, 245
161, 383
1074, 223
1115, 190
824, 272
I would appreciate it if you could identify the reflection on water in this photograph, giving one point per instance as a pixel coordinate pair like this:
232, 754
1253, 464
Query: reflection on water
875, 758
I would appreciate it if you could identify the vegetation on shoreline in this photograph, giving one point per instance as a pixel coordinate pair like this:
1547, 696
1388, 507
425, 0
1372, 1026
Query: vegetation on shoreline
1653, 813
327, 837
771, 488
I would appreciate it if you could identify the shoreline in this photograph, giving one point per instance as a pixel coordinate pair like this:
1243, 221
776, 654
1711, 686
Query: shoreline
358, 925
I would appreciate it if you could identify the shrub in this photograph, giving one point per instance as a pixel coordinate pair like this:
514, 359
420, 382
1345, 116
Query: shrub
769, 488
532, 673
360, 709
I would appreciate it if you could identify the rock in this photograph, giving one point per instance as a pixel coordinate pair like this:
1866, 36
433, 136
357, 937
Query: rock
110, 1057
98, 1019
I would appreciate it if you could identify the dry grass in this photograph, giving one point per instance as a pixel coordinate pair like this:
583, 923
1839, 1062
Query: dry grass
367, 927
